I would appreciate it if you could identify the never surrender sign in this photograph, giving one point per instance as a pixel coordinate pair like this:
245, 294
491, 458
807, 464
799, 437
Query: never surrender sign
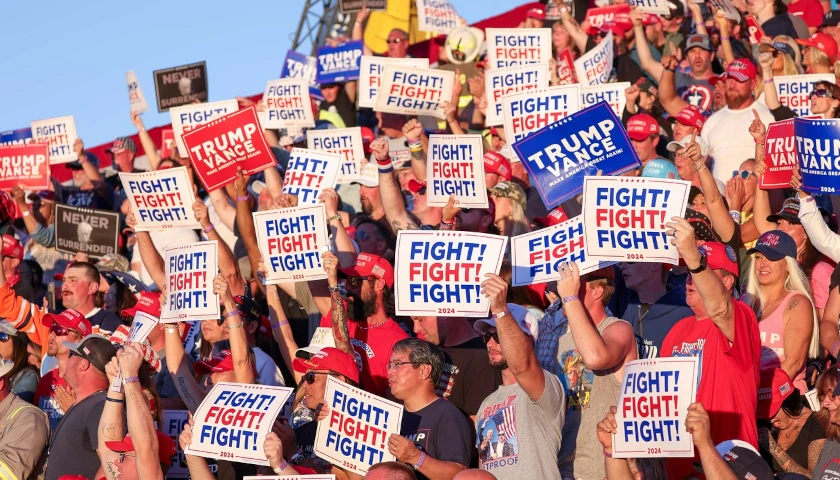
189, 117
456, 167
414, 91
353, 6
160, 199
818, 153
218, 148
440, 273
339, 63
528, 112
287, 104
181, 85
612, 93
794, 90
560, 155
779, 155
26, 165
508, 81
508, 47
537, 255
290, 241
60, 134
652, 407
233, 420
595, 66
436, 16
310, 172
625, 217
190, 270
81, 230
355, 434
370, 75
346, 142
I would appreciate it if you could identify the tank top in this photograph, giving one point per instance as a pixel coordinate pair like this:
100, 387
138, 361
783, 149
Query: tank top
772, 330
589, 395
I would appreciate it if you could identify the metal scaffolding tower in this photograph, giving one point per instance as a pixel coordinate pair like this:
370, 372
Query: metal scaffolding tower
321, 19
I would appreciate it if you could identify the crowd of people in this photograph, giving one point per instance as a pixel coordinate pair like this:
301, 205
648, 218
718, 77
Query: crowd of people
529, 392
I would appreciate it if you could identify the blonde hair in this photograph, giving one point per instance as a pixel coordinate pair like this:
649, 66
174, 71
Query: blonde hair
795, 281
791, 65
518, 221
818, 57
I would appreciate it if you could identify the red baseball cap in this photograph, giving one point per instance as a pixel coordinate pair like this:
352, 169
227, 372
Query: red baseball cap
650, 19
720, 256
641, 126
368, 264
223, 362
147, 302
691, 117
11, 247
720, 78
536, 12
166, 446
613, 27
69, 319
558, 215
367, 138
823, 42
329, 358
744, 70
498, 164
774, 388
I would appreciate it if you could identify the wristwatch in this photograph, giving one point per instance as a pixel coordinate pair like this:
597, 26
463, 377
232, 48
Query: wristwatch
703, 263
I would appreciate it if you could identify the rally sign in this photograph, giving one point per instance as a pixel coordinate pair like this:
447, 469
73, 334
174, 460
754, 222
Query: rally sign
618, 14
370, 75
537, 256
779, 155
82, 230
355, 433
507, 47
290, 241
612, 93
527, 112
309, 172
566, 67
436, 16
141, 327
135, 94
26, 165
508, 81
353, 6
233, 421
794, 90
167, 143
220, 147
298, 65
595, 66
441, 272
190, 270
160, 199
16, 137
559, 156
818, 153
414, 91
173, 425
456, 167
60, 134
754, 30
189, 117
346, 142
657, 7
339, 63
728, 9
181, 85
287, 104
652, 407
625, 217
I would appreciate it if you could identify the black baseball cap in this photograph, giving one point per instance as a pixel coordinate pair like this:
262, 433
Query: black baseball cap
789, 212
831, 19
744, 460
96, 349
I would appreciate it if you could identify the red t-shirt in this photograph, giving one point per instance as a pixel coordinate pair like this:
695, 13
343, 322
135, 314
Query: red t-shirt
45, 396
810, 10
729, 375
373, 346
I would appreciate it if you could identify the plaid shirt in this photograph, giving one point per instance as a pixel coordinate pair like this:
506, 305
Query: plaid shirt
552, 326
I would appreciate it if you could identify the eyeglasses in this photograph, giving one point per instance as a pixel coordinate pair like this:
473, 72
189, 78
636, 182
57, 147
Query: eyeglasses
745, 174
361, 235
820, 93
309, 377
395, 40
394, 365
60, 331
486, 336
354, 282
4, 337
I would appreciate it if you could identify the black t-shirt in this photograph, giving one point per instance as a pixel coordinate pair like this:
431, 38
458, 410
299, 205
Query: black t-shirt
440, 430
106, 321
74, 441
467, 376
343, 106
779, 25
626, 69
98, 197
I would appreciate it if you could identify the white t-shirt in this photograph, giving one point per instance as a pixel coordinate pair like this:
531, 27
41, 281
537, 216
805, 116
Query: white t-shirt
174, 237
728, 134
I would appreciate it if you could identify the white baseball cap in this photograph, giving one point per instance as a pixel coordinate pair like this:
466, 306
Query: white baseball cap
524, 318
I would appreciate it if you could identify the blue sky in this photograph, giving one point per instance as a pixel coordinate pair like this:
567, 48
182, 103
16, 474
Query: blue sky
70, 58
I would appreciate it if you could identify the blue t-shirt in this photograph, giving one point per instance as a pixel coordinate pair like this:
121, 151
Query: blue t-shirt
652, 325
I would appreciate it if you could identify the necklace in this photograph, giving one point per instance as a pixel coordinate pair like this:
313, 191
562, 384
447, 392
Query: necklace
773, 303
792, 432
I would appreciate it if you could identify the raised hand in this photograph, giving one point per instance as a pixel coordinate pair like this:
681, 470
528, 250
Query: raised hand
757, 128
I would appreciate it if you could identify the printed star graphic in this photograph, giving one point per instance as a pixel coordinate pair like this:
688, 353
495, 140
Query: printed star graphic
133, 288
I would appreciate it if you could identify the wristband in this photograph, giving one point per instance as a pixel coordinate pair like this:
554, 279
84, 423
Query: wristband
209, 228
444, 222
243, 198
762, 143
334, 289
570, 298
282, 467
415, 143
383, 161
235, 325
502, 314
386, 169
420, 461
133, 379
768, 80
109, 399
232, 313
26, 213
724, 37
736, 215
607, 454
279, 324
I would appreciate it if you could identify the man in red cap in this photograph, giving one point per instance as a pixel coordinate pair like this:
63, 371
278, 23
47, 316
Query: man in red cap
727, 131
360, 322
643, 131
496, 169
535, 18
723, 334
12, 258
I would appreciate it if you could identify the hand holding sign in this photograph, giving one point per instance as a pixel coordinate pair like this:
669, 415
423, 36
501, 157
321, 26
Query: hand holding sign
403, 449
796, 179
130, 359
185, 439
331, 267
222, 289
112, 369
201, 214
606, 429
697, 423
569, 283
495, 288
683, 234
273, 449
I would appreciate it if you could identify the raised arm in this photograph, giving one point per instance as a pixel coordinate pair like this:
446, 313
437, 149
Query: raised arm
146, 141
228, 266
141, 426
176, 363
668, 97
722, 222
340, 328
151, 258
359, 31
771, 96
112, 426
243, 366
197, 465
616, 468
577, 33
28, 219
91, 171
698, 425
725, 42
697, 16
223, 208
344, 245
389, 190
649, 64
413, 132
822, 237
280, 328
761, 204
245, 222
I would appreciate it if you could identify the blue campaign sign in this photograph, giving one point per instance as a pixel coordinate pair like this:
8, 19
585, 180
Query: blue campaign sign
298, 65
818, 153
15, 137
559, 155
340, 63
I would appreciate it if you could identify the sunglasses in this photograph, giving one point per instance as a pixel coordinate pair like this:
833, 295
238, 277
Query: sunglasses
486, 336
396, 40
309, 377
4, 337
820, 93
60, 331
362, 236
745, 174
354, 282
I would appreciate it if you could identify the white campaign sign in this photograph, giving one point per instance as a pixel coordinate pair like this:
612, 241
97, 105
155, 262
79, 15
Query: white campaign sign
287, 104
189, 117
527, 112
436, 16
189, 271
346, 142
290, 241
160, 199
595, 66
455, 166
507, 47
414, 91
135, 94
794, 90
370, 75
309, 172
612, 93
658, 7
508, 81
60, 134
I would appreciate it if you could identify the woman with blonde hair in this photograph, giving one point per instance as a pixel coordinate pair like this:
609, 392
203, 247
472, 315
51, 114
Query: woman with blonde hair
778, 292
819, 54
510, 203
